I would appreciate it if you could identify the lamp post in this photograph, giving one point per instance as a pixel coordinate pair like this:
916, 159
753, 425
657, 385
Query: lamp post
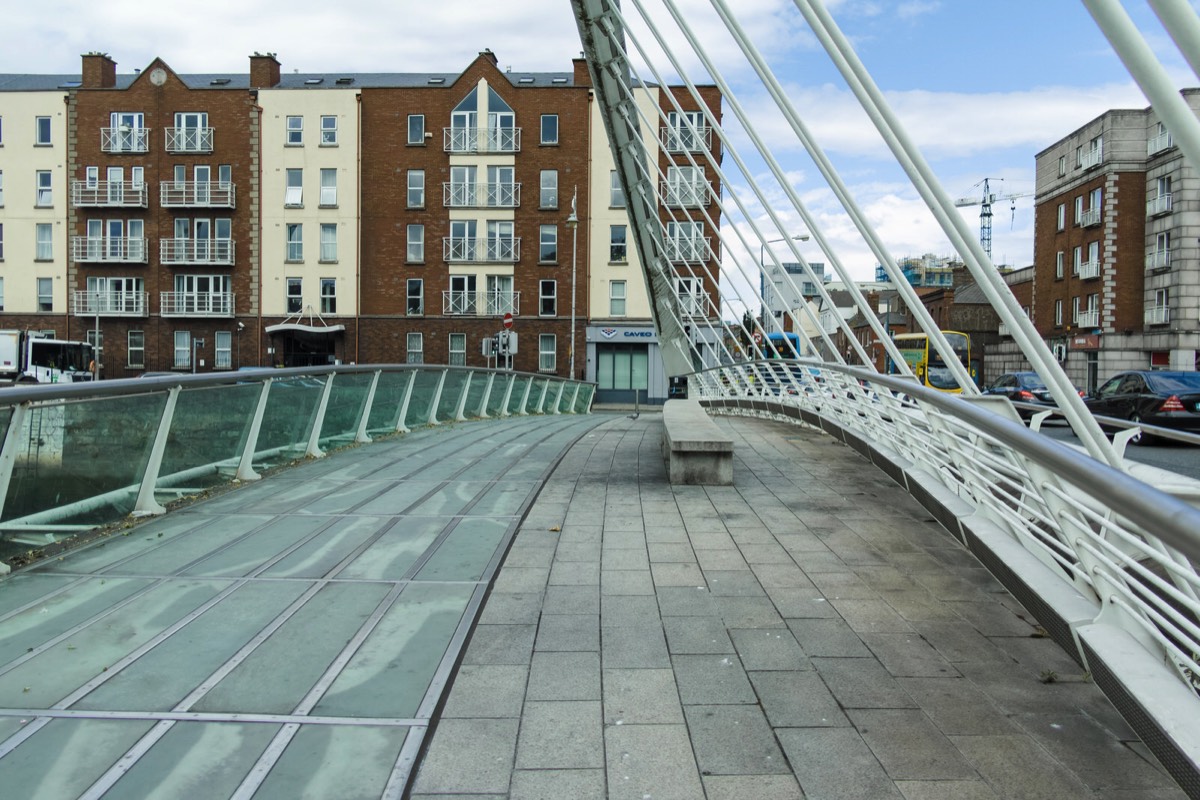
762, 273
573, 224
240, 327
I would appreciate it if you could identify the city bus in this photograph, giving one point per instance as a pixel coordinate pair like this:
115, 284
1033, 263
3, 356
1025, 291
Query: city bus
927, 365
782, 345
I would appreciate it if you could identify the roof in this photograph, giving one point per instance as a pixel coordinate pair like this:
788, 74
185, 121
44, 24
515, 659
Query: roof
292, 80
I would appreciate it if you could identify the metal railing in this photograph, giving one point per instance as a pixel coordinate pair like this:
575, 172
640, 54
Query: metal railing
1159, 143
491, 249
685, 194
1159, 205
482, 195
1158, 315
481, 303
114, 194
1090, 217
1158, 259
189, 140
482, 140
1091, 158
109, 304
124, 140
72, 459
196, 304
202, 194
196, 251
682, 140
109, 249
1089, 269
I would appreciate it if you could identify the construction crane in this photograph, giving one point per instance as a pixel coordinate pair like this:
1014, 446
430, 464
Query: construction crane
985, 210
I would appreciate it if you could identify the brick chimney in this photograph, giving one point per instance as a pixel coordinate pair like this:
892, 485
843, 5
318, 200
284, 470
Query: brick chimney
99, 71
490, 56
582, 76
264, 71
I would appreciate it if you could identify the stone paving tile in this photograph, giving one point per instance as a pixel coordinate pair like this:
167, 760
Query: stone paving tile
574, 573
1018, 767
696, 635
568, 632
908, 655
556, 784
946, 790
686, 601
733, 740
521, 579
633, 648
641, 697
797, 700
828, 637
509, 608
561, 735
957, 706
711, 680
862, 683
759, 787
733, 583
571, 600
909, 745
730, 559
801, 603
625, 558
781, 575
487, 690
835, 764
626, 582
844, 586
652, 761
564, 676
521, 555
762, 649
675, 574
870, 616
767, 553
666, 552
491, 743
580, 532
711, 540
917, 605
577, 551
630, 611
749, 612
500, 644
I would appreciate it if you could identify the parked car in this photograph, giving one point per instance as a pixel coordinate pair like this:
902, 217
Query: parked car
1022, 387
1166, 399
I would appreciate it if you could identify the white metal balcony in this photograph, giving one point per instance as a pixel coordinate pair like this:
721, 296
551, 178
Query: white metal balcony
483, 195
1158, 315
481, 303
124, 140
482, 140
683, 140
1003, 330
109, 250
694, 306
1090, 217
1091, 158
197, 194
680, 194
1159, 259
189, 140
1089, 269
1088, 318
196, 304
111, 194
505, 250
1159, 205
109, 304
196, 251
696, 249
1163, 141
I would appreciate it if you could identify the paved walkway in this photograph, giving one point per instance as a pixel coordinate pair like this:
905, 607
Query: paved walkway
809, 632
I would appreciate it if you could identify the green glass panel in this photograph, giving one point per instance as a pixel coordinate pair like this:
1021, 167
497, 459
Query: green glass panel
422, 397
456, 381
516, 399
479, 383
347, 399
495, 405
340, 761
209, 427
389, 396
67, 756
291, 407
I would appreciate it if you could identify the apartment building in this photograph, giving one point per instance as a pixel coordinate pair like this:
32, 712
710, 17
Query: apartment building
1117, 278
214, 221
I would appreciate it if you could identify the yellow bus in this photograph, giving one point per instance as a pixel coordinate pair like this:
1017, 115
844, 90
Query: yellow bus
927, 365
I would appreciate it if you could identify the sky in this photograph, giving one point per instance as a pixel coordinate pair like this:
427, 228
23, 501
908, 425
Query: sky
981, 86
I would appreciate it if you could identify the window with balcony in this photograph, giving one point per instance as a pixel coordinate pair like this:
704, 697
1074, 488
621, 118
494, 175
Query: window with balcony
616, 298
111, 295
416, 244
616, 194
416, 188
45, 294
1160, 200
685, 186
501, 299
458, 350
135, 349
329, 131
1091, 215
686, 242
691, 296
465, 135
191, 133
501, 243
199, 295
1160, 256
415, 297
44, 242
294, 131
416, 129
618, 250
461, 297
45, 188
548, 196
1, 242
1160, 312
547, 352
295, 295
293, 193
126, 133
328, 296
503, 191
549, 129
183, 349
547, 298
328, 188
685, 132
548, 244
1091, 267
1161, 140
223, 350
198, 241
328, 254
42, 132
460, 244
414, 349
295, 242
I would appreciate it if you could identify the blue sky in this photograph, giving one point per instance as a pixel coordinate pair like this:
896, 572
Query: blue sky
982, 85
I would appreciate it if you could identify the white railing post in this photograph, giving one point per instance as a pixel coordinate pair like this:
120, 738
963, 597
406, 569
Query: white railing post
360, 436
245, 470
461, 409
8, 456
512, 380
487, 395
541, 406
146, 505
313, 450
404, 402
558, 397
525, 399
437, 398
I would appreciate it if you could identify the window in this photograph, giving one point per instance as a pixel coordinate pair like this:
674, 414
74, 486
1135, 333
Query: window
416, 188
42, 136
135, 349
1079, 210
501, 244
1077, 260
549, 128
1058, 308
1074, 310
1, 188
548, 198
548, 244
1062, 166
691, 296
328, 188
416, 129
295, 242
328, 296
1095, 200
416, 297
45, 294
617, 249
1058, 264
1, 242
616, 298
502, 187
293, 196
458, 350
329, 131
1093, 257
1062, 216
415, 346
1, 294
546, 352
294, 296
223, 350
416, 244
183, 349
45, 188
295, 132
616, 194
44, 233
547, 298
328, 253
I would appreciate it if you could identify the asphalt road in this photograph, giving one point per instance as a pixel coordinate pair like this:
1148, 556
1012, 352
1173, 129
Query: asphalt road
1183, 459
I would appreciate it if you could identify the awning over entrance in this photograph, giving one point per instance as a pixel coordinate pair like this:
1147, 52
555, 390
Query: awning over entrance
297, 327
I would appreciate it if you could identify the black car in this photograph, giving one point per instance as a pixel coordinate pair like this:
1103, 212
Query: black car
1166, 399
1022, 387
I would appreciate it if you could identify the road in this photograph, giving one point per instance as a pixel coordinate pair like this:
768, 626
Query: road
1177, 457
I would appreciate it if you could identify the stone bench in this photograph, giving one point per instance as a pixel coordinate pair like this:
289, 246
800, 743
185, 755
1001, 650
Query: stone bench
697, 452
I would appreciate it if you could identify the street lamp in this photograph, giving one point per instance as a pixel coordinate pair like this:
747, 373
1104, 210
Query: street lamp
573, 224
762, 273
241, 326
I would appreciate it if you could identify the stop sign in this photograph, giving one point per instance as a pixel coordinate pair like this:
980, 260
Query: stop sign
508, 320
